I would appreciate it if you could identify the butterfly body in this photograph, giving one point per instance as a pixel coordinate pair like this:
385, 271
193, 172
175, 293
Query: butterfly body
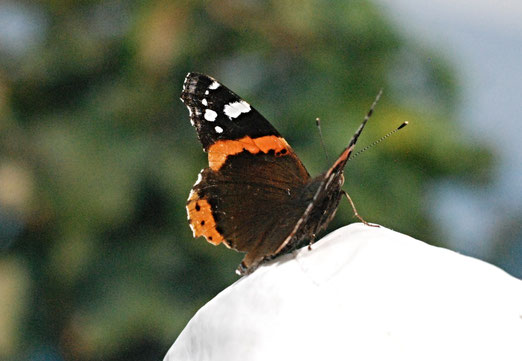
256, 196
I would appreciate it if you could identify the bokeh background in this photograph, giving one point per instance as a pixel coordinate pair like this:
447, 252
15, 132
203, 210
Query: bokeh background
97, 154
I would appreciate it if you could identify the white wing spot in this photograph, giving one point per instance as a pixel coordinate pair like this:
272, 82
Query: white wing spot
233, 110
200, 177
204, 102
214, 85
218, 129
206, 92
210, 115
185, 82
190, 110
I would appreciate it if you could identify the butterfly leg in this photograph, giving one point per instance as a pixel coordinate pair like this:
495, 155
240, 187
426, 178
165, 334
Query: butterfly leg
355, 210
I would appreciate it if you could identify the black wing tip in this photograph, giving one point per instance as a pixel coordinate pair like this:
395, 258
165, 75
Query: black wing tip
194, 86
189, 85
193, 75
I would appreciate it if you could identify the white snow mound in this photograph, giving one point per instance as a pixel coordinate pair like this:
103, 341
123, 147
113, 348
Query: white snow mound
362, 293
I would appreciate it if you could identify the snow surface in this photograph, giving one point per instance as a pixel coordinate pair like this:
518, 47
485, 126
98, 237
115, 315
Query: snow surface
362, 293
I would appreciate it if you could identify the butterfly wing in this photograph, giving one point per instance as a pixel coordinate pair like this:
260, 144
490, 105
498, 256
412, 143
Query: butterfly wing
252, 193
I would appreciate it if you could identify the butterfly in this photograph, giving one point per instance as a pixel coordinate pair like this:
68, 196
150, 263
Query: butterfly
255, 196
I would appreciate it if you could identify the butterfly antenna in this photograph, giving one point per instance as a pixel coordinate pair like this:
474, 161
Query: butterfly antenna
380, 139
318, 124
366, 118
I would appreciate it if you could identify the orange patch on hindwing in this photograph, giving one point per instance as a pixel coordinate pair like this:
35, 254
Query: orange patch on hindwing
201, 220
220, 150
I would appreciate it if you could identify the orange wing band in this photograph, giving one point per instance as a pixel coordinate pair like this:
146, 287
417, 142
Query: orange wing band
201, 220
219, 151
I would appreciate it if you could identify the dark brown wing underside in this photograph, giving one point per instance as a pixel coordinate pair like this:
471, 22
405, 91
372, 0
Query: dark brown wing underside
256, 200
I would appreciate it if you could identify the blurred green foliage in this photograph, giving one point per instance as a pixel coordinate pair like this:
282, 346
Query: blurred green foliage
98, 156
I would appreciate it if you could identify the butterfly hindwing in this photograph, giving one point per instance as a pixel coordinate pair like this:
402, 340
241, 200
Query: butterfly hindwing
251, 214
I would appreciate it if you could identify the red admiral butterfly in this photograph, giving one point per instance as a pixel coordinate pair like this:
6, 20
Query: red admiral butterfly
256, 196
